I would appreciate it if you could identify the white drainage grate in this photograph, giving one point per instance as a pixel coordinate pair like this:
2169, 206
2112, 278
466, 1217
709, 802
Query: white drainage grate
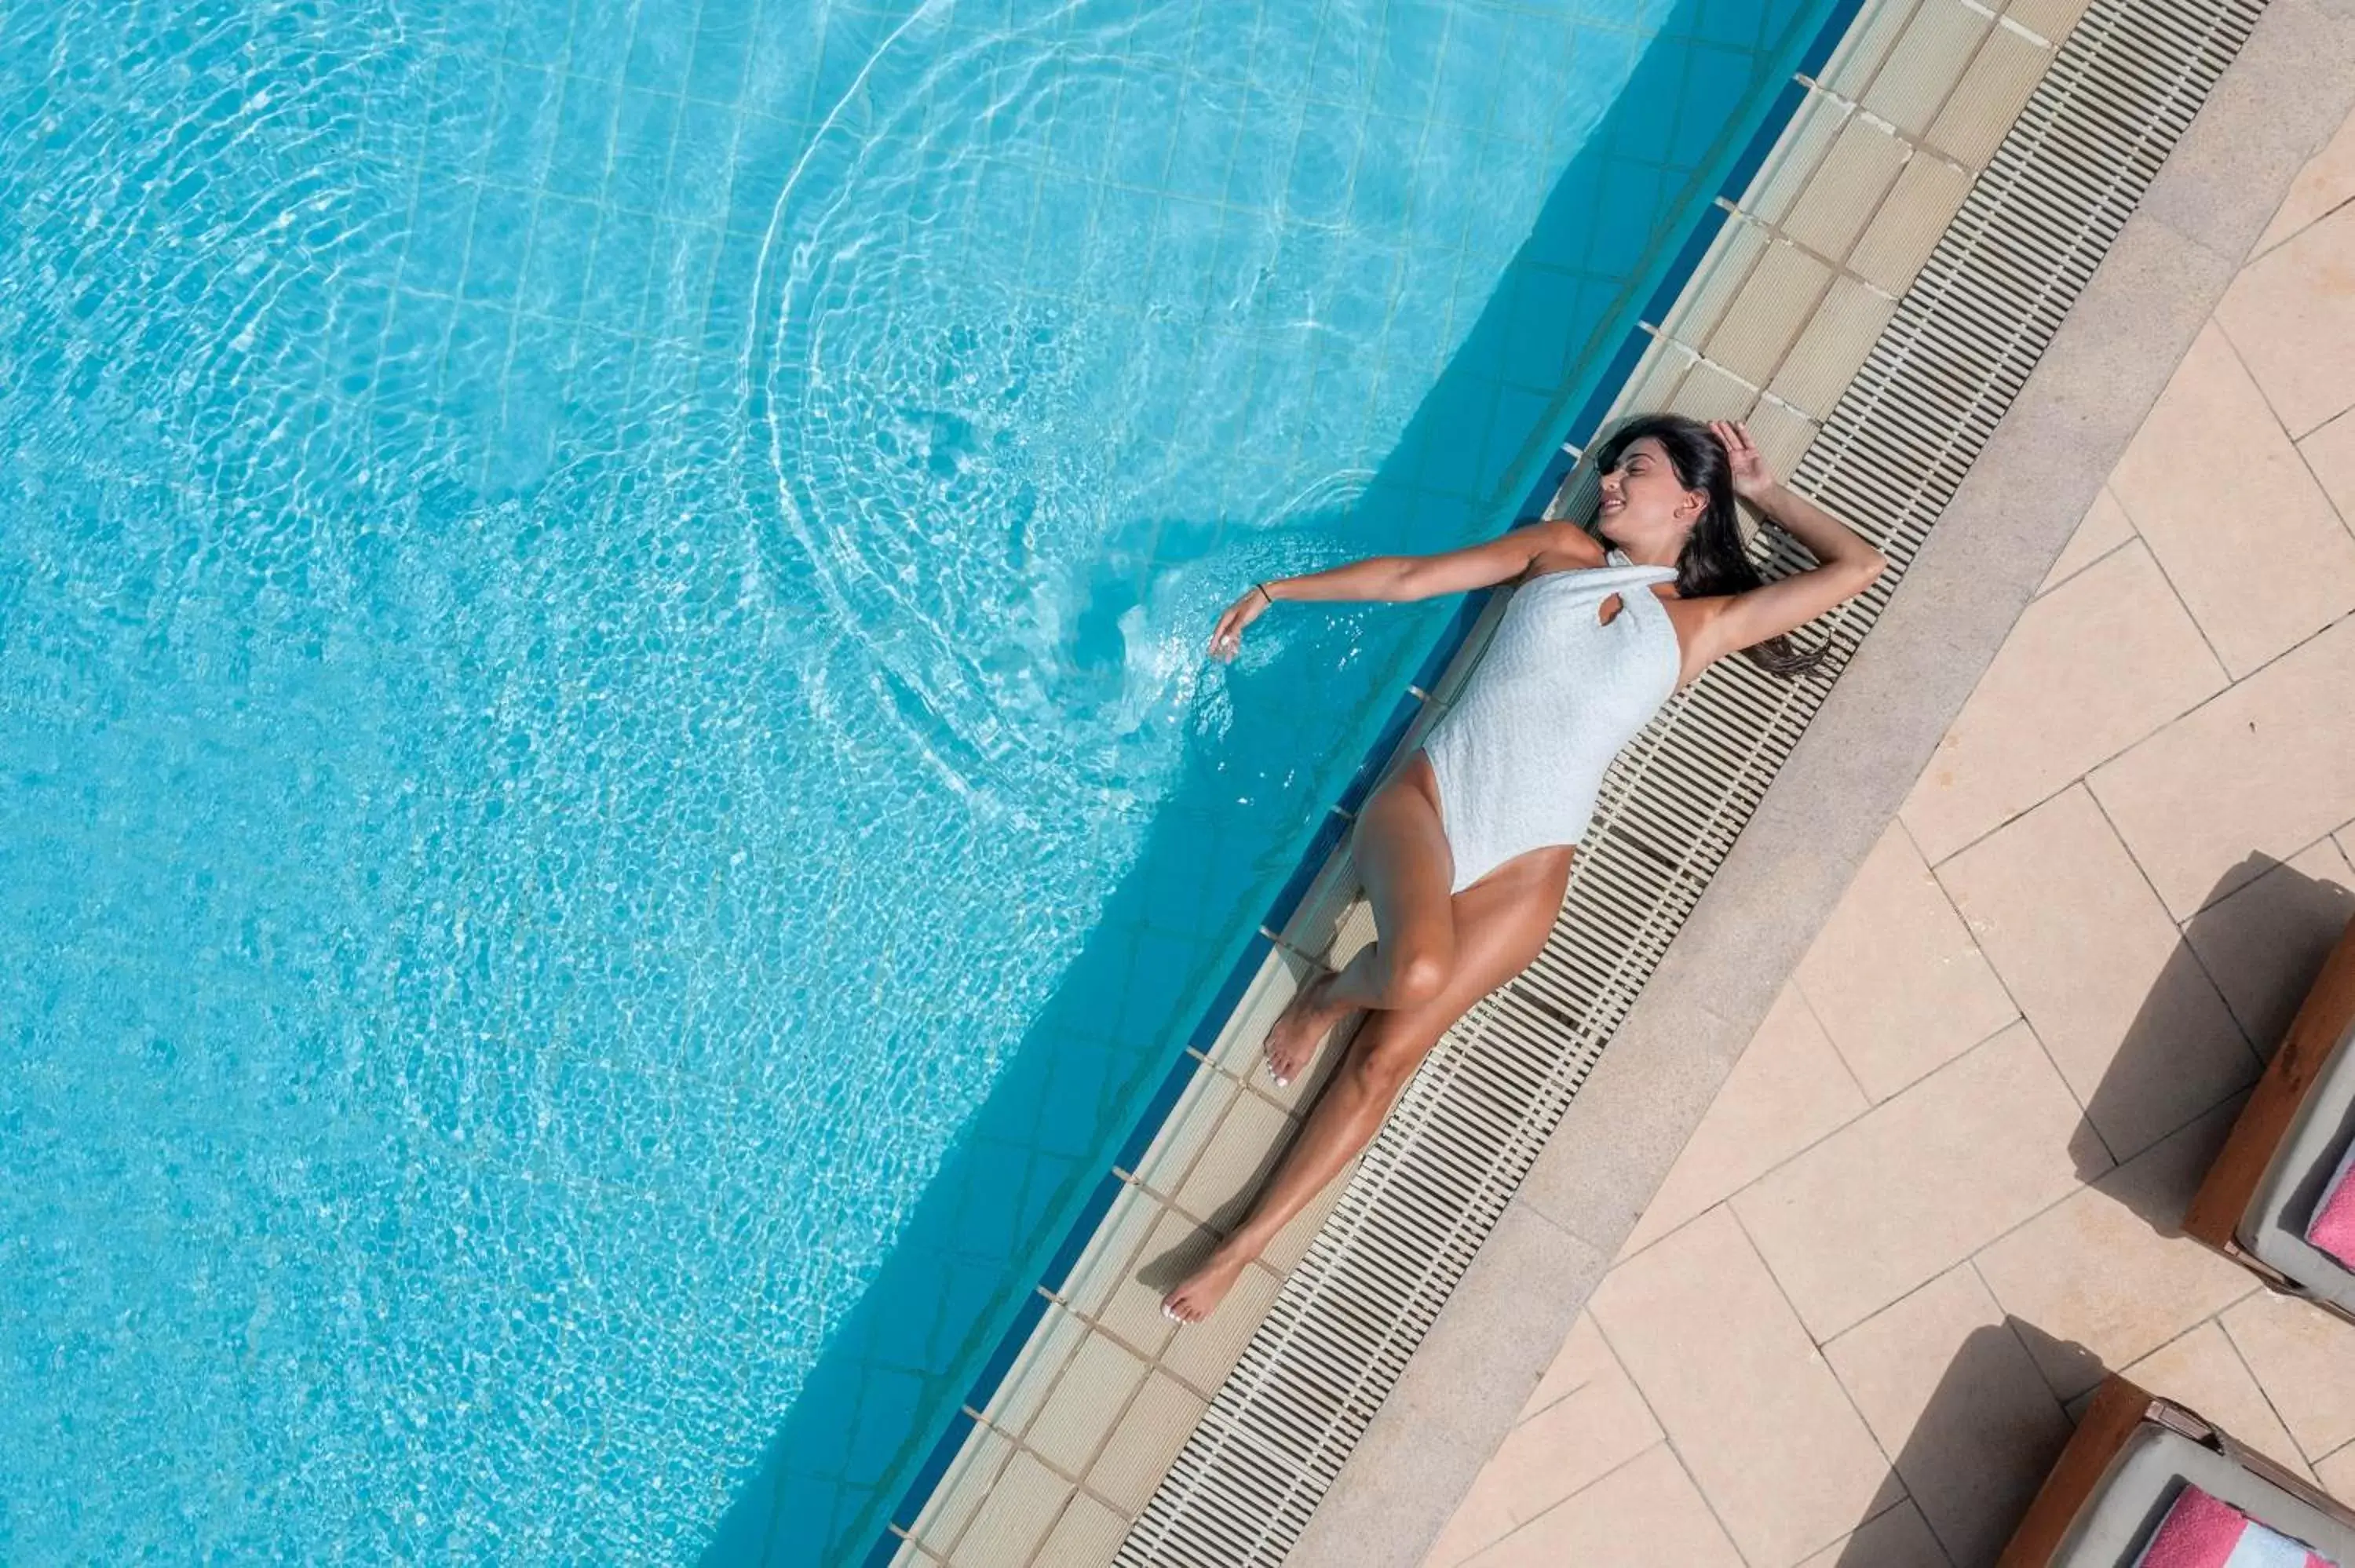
2039, 220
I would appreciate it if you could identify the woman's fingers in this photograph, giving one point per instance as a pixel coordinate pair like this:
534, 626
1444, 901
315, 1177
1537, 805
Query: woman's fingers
1228, 634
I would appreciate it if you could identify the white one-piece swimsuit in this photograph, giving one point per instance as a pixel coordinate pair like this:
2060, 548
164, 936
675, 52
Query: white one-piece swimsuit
1519, 757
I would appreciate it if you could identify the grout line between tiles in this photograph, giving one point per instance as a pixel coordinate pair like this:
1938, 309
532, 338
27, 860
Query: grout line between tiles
2086, 778
2182, 926
1799, 990
2086, 566
2257, 1383
1839, 1383
2019, 1010
1829, 1133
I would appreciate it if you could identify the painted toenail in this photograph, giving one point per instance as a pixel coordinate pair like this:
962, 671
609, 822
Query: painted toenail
1282, 1083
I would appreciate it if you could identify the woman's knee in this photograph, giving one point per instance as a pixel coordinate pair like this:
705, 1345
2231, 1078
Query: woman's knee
1419, 971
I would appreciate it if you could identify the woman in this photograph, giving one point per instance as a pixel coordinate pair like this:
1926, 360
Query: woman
1465, 852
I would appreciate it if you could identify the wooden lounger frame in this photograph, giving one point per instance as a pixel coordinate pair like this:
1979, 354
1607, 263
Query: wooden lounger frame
2118, 1408
2223, 1197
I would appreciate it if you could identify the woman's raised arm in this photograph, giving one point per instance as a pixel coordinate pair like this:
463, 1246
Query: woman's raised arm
1397, 579
1845, 566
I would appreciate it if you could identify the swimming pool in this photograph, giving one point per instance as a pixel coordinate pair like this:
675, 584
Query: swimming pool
602, 735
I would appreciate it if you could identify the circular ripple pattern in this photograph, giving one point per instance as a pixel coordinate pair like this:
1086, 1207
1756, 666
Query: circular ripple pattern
929, 363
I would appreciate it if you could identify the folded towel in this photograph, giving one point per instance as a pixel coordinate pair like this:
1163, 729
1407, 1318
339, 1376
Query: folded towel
2333, 1226
2202, 1532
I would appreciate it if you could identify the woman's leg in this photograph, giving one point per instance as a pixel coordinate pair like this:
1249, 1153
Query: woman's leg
1402, 858
1501, 923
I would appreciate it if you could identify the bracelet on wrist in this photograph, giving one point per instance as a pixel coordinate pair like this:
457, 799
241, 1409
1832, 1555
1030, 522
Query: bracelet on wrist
1263, 593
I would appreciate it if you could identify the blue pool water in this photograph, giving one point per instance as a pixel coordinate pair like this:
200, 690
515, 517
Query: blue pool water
602, 741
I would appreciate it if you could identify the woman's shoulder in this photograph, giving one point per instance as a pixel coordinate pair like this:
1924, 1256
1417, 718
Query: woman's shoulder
1563, 546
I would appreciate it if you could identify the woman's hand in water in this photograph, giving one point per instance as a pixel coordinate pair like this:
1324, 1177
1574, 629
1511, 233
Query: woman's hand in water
1226, 637
1745, 465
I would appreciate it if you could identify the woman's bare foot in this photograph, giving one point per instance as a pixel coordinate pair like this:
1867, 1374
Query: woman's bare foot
1198, 1295
1292, 1043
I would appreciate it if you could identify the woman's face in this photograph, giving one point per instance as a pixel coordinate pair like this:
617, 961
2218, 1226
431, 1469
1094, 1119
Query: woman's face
1644, 503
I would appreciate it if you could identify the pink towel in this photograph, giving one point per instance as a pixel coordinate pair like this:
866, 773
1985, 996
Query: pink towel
2201, 1531
2333, 1227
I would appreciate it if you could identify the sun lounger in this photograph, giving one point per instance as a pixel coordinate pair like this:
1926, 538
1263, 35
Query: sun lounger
2130, 1462
2267, 1186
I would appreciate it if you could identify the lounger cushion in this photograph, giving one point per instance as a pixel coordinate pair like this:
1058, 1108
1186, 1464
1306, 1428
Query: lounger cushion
2274, 1227
2141, 1483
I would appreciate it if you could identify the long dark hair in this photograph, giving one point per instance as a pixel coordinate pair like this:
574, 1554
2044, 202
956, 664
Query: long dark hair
1714, 561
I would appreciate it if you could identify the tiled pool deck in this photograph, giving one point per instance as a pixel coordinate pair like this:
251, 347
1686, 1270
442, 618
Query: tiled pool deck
1789, 300
1937, 1198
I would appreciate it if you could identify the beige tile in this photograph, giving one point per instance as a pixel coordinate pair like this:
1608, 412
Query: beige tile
1866, 46
1566, 1443
1088, 1399
2326, 184
1978, 116
2329, 454
1111, 1253
2265, 944
1142, 1447
1014, 1518
1895, 1539
2225, 502
2049, 19
1782, 435
2108, 981
2105, 1277
2103, 528
1643, 1514
2202, 1372
1789, 170
2291, 312
2263, 770
1729, 1371
1894, 976
1711, 392
1788, 1089
1167, 1161
1905, 1192
1722, 272
968, 1479
1779, 297
1951, 1393
1927, 194
1823, 360
1928, 62
1484, 1518
1024, 1389
1234, 1162
2089, 669
1086, 1536
2337, 1473
2305, 1360
1583, 1359
1857, 171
